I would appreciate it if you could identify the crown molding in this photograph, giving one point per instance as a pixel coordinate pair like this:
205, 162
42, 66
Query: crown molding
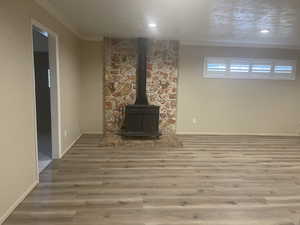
236, 44
59, 16
62, 19
93, 38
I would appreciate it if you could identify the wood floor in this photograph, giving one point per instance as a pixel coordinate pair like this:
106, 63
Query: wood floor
212, 180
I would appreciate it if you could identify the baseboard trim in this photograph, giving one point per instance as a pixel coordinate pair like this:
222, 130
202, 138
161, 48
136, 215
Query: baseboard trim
70, 146
17, 203
239, 134
93, 132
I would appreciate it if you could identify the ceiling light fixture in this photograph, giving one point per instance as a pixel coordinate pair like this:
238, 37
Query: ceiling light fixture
264, 31
152, 25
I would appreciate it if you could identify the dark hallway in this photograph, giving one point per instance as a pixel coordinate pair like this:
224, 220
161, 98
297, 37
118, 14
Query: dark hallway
43, 99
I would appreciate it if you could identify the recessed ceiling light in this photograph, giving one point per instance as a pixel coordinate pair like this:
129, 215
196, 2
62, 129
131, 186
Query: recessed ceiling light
152, 25
264, 31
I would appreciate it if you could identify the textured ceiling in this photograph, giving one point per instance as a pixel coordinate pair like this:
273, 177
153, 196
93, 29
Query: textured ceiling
236, 22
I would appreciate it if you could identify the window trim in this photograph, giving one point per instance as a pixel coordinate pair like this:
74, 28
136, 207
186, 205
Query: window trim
272, 75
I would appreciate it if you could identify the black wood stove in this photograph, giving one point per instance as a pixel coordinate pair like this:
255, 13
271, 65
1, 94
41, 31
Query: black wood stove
141, 119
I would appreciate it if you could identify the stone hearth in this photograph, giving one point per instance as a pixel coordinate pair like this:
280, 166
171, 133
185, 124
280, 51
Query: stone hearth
118, 141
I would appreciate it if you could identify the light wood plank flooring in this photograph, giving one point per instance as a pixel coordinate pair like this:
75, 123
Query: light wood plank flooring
212, 180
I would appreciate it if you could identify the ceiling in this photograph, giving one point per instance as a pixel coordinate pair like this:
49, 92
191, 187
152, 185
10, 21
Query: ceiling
218, 22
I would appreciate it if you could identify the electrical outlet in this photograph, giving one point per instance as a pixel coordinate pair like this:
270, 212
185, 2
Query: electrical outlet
66, 133
298, 129
194, 120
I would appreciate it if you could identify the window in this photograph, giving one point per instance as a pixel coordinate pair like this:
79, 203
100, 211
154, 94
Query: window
247, 68
239, 67
261, 68
283, 69
218, 67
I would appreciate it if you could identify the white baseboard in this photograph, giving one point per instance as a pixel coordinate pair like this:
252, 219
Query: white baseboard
17, 202
70, 146
239, 134
93, 132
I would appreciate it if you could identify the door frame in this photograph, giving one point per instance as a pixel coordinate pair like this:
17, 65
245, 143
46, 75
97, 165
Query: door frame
55, 96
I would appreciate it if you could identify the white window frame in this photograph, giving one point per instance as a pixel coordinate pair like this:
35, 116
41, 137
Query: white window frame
272, 75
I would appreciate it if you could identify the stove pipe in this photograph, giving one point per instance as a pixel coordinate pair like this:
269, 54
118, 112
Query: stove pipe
141, 72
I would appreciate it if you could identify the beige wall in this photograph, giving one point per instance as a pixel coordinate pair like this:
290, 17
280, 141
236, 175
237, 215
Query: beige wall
91, 120
227, 106
220, 106
17, 161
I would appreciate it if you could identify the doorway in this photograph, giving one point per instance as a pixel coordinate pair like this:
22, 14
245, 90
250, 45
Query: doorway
42, 96
46, 95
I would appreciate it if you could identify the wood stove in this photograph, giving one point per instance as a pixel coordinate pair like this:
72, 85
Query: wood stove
141, 119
